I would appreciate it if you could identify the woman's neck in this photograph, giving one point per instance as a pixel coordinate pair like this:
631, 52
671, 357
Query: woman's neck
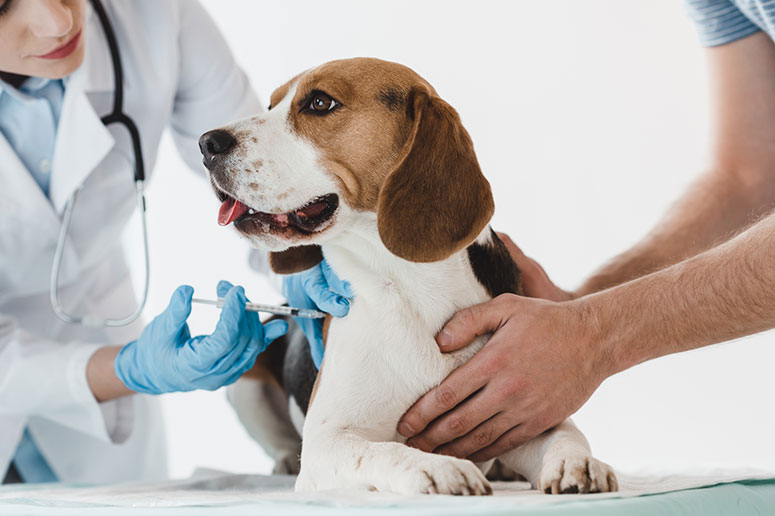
13, 79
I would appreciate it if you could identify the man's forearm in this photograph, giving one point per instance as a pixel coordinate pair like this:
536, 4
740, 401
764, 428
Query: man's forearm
740, 186
714, 209
721, 294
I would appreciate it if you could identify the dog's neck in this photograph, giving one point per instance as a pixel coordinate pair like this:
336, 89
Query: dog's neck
432, 292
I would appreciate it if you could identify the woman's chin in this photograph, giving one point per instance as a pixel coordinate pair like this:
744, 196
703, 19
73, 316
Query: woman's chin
64, 67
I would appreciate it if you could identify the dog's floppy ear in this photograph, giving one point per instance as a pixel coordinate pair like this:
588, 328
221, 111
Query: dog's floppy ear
436, 201
295, 259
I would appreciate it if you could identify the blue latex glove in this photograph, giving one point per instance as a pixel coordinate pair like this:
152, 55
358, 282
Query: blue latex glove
167, 359
318, 288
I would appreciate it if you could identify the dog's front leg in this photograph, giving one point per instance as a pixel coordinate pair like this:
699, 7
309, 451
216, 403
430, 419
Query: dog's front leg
560, 461
344, 459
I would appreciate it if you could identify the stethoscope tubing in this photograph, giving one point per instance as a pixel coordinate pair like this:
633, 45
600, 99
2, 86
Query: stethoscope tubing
92, 321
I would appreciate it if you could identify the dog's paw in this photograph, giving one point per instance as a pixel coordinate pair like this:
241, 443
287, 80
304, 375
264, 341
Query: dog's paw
577, 475
441, 475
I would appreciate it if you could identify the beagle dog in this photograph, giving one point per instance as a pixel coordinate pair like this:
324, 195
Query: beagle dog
362, 162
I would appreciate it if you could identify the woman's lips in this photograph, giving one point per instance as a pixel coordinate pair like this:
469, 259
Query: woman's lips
65, 50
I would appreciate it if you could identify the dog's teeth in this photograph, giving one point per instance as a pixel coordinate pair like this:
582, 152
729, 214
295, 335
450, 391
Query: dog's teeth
252, 211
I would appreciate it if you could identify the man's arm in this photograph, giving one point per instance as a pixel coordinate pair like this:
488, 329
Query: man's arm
740, 186
546, 359
721, 294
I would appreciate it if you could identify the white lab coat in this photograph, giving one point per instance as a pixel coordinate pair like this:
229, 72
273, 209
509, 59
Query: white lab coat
178, 73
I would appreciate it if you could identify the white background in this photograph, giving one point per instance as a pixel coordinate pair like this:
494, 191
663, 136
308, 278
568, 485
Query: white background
589, 119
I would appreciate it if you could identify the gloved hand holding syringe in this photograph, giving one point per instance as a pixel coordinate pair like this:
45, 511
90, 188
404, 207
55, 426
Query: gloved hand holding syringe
270, 309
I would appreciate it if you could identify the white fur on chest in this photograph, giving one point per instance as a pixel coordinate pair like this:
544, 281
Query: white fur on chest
383, 356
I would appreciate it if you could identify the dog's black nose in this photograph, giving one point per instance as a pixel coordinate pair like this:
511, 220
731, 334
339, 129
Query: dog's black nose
215, 142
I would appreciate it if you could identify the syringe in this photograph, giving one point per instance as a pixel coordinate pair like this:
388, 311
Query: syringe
270, 309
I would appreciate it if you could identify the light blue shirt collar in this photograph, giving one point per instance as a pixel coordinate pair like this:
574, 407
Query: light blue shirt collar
28, 88
22, 94
29, 116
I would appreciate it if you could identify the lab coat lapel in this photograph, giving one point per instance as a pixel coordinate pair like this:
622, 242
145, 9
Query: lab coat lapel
21, 195
82, 139
82, 143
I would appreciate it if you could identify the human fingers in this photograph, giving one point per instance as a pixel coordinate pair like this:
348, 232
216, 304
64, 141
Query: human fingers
516, 253
458, 422
339, 286
513, 438
247, 358
479, 438
316, 286
528, 266
535, 280
250, 322
223, 288
174, 317
241, 358
459, 385
472, 322
274, 330
227, 330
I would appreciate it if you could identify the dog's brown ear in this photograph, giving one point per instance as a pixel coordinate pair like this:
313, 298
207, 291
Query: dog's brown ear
436, 201
295, 259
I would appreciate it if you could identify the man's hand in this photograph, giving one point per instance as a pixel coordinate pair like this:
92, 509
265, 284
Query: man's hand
539, 367
535, 281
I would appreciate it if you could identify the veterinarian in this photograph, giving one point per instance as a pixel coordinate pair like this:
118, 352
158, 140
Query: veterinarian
704, 275
66, 406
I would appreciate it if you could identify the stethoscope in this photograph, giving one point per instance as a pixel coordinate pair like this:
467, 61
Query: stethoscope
117, 116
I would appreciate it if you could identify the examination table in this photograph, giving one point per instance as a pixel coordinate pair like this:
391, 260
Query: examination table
214, 493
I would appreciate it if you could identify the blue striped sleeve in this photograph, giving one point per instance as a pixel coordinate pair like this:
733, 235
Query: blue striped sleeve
719, 21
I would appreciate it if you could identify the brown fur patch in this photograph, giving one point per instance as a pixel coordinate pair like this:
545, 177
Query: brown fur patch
437, 200
361, 140
295, 259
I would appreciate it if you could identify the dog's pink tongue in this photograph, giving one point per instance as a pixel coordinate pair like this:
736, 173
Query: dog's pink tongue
230, 210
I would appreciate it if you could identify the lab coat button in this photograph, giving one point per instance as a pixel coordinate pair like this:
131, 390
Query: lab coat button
44, 165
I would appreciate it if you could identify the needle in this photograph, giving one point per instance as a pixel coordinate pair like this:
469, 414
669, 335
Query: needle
270, 309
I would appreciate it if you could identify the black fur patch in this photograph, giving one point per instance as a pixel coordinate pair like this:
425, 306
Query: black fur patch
494, 268
299, 370
391, 98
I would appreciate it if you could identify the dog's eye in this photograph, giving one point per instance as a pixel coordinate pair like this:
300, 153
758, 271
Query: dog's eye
322, 103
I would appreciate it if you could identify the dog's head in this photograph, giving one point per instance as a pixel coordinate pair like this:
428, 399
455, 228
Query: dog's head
349, 137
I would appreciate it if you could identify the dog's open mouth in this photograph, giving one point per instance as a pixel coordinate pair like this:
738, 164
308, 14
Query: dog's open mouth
309, 218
